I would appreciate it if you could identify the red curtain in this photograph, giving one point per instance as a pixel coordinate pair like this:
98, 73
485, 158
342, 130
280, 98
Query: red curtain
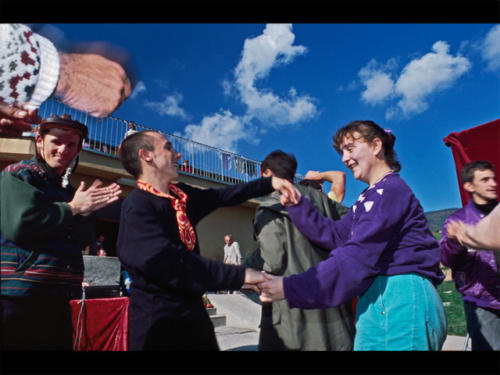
478, 143
102, 324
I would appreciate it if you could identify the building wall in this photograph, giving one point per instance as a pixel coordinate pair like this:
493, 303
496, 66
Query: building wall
228, 220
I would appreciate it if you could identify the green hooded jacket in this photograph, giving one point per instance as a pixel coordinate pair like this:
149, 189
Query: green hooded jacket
284, 251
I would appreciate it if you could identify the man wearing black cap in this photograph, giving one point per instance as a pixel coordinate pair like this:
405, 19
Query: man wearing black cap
44, 225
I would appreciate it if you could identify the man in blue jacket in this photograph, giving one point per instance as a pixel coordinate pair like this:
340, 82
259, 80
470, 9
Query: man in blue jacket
475, 271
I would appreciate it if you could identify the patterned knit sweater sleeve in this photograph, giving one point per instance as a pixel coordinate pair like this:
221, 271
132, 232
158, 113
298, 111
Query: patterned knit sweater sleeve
29, 66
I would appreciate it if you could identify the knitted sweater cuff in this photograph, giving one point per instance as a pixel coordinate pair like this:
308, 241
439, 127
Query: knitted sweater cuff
49, 73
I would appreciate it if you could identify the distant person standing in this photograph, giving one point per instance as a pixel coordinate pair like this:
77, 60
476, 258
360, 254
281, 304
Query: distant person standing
475, 270
232, 254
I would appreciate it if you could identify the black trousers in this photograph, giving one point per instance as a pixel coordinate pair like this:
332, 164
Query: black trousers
483, 326
35, 324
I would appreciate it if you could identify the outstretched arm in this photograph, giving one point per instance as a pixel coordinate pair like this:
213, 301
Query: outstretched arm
336, 178
86, 81
485, 235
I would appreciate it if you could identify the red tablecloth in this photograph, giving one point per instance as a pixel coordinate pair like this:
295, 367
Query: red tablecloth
102, 324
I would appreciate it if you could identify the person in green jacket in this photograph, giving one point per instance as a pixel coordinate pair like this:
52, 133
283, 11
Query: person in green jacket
44, 226
284, 251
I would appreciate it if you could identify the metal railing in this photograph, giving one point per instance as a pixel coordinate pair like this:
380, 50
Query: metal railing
106, 134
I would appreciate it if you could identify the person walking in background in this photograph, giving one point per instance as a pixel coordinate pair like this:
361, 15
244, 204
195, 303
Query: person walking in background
45, 224
283, 251
381, 251
159, 248
232, 253
475, 270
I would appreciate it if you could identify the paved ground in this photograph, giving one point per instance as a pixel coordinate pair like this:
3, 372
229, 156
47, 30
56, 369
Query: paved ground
455, 343
243, 315
241, 339
237, 339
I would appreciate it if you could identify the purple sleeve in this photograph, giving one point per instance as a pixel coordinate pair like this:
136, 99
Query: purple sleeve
320, 230
453, 254
350, 268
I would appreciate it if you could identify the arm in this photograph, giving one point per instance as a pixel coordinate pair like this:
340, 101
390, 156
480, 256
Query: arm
453, 254
30, 217
203, 202
337, 180
350, 268
27, 215
320, 230
14, 120
85, 81
92, 83
485, 235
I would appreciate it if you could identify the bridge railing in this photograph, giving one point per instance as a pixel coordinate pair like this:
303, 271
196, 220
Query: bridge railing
106, 134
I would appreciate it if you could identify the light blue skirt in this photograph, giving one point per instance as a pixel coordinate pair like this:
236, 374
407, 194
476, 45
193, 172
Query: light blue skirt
400, 312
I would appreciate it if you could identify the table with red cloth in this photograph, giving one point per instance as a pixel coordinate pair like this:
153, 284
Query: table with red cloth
102, 324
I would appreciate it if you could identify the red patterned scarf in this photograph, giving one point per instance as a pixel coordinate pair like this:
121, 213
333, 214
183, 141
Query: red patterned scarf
186, 231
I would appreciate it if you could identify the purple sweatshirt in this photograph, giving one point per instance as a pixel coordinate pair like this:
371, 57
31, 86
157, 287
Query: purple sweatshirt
384, 233
475, 272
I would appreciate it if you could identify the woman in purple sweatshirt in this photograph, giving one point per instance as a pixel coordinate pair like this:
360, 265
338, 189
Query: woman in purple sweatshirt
382, 251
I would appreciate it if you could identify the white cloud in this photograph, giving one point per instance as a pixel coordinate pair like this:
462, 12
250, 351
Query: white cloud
378, 82
139, 87
260, 54
169, 106
418, 80
435, 71
351, 86
222, 130
491, 48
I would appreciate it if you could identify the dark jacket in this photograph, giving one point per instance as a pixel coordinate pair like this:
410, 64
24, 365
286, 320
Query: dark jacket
475, 271
285, 251
41, 240
166, 310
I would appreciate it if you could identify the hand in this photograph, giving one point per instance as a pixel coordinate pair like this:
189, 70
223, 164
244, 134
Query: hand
14, 120
92, 83
252, 278
289, 195
456, 231
94, 198
272, 288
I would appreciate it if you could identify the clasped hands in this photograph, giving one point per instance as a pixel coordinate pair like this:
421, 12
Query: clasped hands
269, 287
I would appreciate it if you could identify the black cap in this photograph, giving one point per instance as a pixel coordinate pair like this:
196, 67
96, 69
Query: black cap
63, 121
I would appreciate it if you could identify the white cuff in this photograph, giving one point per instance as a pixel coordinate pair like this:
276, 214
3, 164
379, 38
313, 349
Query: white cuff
49, 73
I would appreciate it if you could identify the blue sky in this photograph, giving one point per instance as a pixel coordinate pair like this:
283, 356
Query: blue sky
254, 88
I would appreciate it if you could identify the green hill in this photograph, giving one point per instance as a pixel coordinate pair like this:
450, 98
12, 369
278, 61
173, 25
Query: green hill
437, 218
